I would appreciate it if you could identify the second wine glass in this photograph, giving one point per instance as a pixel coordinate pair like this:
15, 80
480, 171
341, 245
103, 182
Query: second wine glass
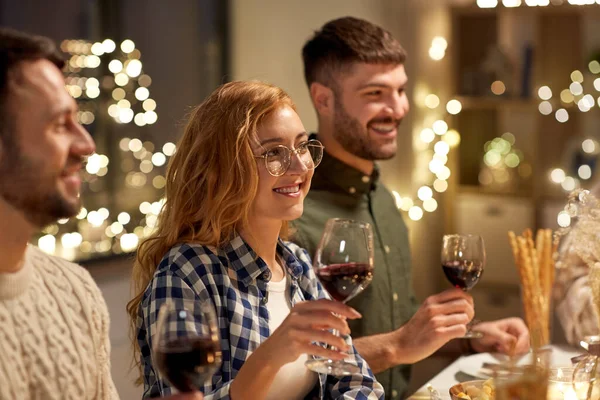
344, 265
463, 260
187, 349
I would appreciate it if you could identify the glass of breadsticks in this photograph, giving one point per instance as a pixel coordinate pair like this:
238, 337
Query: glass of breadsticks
535, 264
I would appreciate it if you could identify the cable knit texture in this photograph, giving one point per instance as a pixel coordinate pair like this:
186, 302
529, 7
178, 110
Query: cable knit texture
53, 333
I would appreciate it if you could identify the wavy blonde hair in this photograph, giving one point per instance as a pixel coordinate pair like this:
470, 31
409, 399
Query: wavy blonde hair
211, 180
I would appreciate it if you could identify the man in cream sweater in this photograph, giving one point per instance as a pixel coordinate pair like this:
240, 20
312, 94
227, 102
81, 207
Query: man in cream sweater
53, 320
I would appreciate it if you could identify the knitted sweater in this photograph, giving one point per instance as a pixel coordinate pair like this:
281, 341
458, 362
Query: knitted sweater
53, 333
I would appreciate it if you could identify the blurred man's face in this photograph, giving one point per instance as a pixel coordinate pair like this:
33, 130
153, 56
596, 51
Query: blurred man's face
370, 103
41, 158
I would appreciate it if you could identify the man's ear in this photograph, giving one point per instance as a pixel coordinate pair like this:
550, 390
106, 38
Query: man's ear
322, 98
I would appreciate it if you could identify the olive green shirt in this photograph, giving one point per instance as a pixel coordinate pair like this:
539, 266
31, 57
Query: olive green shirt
339, 190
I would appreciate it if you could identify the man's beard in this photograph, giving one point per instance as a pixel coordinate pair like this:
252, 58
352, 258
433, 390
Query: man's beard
354, 138
31, 190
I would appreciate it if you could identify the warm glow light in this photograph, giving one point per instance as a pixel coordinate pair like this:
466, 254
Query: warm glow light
127, 46
93, 164
435, 166
564, 219
71, 240
150, 117
597, 84
440, 127
576, 88
444, 173
92, 92
142, 93
436, 53
108, 46
135, 145
125, 115
134, 68
124, 103
569, 184
594, 66
589, 146
169, 149
424, 193
129, 242
406, 203
124, 218
92, 83
146, 166
432, 101
82, 213
452, 137
557, 175
511, 3
440, 185
159, 182
577, 76
144, 80
566, 96
427, 135
118, 94
487, 3
397, 198
97, 49
498, 88
145, 207
415, 213
116, 228
562, 115
139, 119
584, 172
454, 107
47, 244
115, 66
441, 147
121, 79
545, 108
545, 93
149, 105
512, 160
124, 144
430, 205
440, 42
159, 159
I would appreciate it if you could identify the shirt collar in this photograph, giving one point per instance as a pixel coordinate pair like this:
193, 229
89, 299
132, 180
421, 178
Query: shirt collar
249, 266
334, 172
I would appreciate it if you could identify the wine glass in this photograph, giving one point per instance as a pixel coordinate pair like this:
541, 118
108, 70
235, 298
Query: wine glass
463, 259
187, 348
344, 265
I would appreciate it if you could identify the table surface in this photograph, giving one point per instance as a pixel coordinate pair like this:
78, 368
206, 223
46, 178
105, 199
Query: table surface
468, 367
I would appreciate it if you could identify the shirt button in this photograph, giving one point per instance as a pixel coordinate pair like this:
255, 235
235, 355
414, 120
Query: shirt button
394, 393
366, 179
387, 249
352, 190
395, 296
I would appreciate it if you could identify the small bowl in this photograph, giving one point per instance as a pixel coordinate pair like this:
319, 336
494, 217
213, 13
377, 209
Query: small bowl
460, 387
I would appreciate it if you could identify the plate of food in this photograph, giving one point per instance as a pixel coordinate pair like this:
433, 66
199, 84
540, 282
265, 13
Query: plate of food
473, 390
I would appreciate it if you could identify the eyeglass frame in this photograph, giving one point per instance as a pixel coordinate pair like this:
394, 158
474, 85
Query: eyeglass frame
293, 153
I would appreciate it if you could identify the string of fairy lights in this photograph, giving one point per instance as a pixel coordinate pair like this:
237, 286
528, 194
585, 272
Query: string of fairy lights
435, 141
104, 231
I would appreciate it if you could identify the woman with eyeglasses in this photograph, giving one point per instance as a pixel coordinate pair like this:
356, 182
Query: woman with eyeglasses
240, 173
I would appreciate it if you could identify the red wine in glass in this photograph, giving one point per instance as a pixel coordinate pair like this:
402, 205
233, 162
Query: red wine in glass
344, 265
463, 260
346, 280
187, 349
188, 362
463, 274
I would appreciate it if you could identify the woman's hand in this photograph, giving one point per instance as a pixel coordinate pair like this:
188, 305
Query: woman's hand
310, 322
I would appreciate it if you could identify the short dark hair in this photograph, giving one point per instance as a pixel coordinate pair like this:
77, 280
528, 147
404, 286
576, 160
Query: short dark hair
17, 47
345, 41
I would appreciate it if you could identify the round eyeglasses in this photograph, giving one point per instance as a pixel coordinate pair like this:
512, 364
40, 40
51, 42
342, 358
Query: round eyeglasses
279, 158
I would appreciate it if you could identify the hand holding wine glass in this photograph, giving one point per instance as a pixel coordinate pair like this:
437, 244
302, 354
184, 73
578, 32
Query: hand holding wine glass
463, 260
187, 349
344, 265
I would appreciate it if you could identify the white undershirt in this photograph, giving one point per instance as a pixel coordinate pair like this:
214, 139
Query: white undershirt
293, 381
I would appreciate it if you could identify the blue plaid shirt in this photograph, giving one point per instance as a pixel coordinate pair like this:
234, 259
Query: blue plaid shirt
235, 279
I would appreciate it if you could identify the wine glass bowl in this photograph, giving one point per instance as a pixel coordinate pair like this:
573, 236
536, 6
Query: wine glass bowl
343, 264
187, 349
463, 261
